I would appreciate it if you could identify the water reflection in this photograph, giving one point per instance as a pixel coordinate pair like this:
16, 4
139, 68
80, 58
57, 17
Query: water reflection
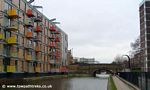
88, 83
79, 84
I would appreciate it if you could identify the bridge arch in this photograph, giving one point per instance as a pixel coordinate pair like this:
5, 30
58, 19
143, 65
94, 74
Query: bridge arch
98, 71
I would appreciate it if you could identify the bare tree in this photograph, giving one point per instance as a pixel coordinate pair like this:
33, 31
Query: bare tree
135, 46
118, 59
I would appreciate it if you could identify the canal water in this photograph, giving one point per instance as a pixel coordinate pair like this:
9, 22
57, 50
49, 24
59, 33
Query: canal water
89, 83
78, 83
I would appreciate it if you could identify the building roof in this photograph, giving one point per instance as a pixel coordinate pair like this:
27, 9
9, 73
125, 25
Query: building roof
143, 2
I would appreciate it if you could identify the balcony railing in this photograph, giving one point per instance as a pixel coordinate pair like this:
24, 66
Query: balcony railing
12, 13
38, 29
30, 13
29, 35
11, 68
12, 40
52, 28
38, 49
12, 28
57, 32
37, 38
29, 23
38, 19
13, 54
28, 57
37, 69
29, 46
52, 44
1, 36
57, 39
52, 37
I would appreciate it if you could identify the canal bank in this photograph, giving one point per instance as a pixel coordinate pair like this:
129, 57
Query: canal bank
122, 84
111, 85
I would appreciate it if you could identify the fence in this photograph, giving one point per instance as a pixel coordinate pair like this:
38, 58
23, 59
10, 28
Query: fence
140, 79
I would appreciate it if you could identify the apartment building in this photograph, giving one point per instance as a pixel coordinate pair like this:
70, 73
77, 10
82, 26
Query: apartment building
144, 12
29, 41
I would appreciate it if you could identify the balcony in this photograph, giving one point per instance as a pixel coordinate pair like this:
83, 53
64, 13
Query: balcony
28, 57
12, 40
52, 44
29, 35
38, 19
57, 32
12, 28
52, 28
1, 36
52, 37
37, 38
57, 54
30, 13
38, 29
11, 68
52, 61
52, 54
38, 49
13, 54
29, 46
29, 23
57, 39
12, 14
37, 69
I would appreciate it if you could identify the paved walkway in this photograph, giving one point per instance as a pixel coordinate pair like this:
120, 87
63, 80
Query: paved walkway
120, 85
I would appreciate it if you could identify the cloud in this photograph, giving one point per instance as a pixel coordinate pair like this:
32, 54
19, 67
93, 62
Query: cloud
96, 28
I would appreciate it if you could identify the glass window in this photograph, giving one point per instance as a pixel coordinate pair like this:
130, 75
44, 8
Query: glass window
147, 10
147, 4
6, 6
16, 2
22, 5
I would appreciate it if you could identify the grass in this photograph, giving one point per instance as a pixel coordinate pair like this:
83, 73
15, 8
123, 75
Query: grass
112, 84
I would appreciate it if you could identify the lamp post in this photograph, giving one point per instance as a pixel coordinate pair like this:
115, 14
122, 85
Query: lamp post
129, 60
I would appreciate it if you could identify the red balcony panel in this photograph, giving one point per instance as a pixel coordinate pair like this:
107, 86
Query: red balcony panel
52, 28
57, 39
30, 13
57, 32
38, 29
29, 35
57, 54
52, 44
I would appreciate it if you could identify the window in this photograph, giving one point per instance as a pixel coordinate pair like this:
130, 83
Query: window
147, 10
15, 2
147, 4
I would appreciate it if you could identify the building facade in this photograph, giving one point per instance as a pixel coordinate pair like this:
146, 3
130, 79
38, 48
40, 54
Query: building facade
29, 41
87, 60
144, 12
64, 48
69, 57
135, 62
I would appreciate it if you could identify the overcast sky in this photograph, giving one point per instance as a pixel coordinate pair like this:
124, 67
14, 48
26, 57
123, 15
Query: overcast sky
99, 29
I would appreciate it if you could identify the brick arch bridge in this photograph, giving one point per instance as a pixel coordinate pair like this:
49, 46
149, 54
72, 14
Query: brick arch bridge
92, 68
98, 71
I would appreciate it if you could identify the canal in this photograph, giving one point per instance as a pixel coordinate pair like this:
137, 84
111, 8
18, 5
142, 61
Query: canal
75, 83
86, 83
